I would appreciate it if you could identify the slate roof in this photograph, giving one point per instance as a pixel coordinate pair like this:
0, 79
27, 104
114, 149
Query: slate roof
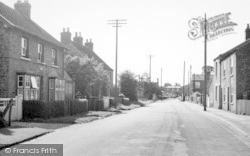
15, 19
90, 54
223, 56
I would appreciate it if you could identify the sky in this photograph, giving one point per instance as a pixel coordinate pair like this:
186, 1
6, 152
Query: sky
154, 27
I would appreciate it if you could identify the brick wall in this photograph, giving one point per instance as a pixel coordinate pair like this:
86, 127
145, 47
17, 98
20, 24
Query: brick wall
243, 71
4, 61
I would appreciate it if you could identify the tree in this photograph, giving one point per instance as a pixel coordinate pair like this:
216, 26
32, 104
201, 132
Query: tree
210, 69
90, 77
128, 85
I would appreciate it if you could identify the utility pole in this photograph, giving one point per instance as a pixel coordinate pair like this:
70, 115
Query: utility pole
116, 23
161, 83
188, 84
184, 83
150, 58
205, 65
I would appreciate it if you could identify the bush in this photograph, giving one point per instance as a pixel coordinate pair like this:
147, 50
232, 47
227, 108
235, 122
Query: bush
77, 106
33, 109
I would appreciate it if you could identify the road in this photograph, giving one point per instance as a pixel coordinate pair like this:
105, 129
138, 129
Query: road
168, 127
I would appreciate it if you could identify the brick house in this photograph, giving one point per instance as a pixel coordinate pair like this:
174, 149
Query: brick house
77, 48
31, 60
232, 76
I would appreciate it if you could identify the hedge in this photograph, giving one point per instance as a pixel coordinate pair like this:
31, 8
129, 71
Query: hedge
96, 104
39, 109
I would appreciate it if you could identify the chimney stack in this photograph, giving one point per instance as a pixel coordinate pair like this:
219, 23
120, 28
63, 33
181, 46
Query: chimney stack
247, 32
65, 36
89, 44
23, 7
78, 39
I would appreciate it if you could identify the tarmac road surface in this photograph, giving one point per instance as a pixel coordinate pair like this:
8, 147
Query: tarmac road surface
168, 127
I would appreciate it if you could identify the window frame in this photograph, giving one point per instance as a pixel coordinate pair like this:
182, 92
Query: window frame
24, 47
54, 57
231, 65
40, 51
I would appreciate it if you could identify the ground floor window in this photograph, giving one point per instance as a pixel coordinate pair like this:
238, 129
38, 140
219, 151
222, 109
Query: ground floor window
56, 89
28, 86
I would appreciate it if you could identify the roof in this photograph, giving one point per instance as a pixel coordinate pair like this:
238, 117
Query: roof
15, 19
66, 76
223, 56
90, 53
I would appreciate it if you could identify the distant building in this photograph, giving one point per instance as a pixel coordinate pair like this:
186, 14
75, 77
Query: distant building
172, 91
31, 60
232, 76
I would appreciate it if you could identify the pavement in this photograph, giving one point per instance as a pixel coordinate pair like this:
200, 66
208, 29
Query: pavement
23, 131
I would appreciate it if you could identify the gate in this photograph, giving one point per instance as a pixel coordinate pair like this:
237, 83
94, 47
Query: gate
17, 108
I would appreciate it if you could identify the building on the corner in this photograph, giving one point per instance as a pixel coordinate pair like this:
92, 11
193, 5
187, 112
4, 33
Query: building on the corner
31, 60
232, 77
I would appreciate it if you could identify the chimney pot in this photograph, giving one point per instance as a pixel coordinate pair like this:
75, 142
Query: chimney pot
76, 34
63, 29
80, 34
67, 29
24, 8
247, 31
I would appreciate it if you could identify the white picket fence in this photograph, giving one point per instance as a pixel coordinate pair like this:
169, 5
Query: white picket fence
17, 108
243, 107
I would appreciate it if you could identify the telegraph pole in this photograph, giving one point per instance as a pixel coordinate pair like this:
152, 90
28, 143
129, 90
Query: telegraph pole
116, 23
184, 83
205, 65
161, 83
150, 58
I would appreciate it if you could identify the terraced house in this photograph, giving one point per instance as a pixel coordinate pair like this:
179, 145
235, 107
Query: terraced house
232, 77
79, 49
31, 60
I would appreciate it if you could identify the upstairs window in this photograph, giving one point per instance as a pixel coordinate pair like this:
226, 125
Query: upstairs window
216, 68
231, 65
24, 46
224, 69
54, 57
40, 53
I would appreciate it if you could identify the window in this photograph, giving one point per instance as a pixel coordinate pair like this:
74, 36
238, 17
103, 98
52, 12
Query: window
52, 84
28, 86
54, 57
231, 65
216, 68
27, 81
40, 53
20, 81
224, 94
197, 85
56, 89
216, 92
224, 69
24, 46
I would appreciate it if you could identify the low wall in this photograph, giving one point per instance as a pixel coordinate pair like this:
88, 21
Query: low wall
243, 107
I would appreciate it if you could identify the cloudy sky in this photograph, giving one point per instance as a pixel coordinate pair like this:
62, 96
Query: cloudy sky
154, 27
